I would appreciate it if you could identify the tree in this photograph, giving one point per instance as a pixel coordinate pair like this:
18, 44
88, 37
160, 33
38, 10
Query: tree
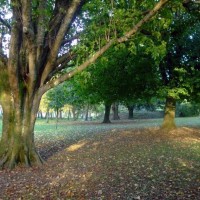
57, 98
40, 47
176, 67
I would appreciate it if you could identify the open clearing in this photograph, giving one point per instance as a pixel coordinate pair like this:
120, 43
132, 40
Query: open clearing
122, 160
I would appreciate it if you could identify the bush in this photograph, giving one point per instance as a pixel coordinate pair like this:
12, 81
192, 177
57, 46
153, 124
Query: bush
187, 109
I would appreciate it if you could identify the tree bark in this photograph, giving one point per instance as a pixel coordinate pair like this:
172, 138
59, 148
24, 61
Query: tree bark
169, 114
130, 111
107, 114
115, 109
17, 142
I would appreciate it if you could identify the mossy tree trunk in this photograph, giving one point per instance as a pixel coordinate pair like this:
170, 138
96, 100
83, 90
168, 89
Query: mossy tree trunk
169, 114
17, 142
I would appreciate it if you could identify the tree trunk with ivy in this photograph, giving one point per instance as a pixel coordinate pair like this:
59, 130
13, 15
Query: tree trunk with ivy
38, 32
169, 114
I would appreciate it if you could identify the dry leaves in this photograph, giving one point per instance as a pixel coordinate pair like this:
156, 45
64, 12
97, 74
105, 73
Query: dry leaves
121, 164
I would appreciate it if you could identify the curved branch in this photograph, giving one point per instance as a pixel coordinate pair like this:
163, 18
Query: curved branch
57, 70
80, 68
61, 64
92, 59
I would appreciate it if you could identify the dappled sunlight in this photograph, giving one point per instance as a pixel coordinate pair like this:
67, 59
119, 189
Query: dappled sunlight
144, 162
75, 147
185, 163
186, 135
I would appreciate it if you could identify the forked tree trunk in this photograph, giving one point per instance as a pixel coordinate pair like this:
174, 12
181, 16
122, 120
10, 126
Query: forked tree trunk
107, 113
169, 114
17, 142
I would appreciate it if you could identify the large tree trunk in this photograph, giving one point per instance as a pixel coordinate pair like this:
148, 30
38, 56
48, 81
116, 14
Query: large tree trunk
17, 142
169, 114
115, 109
107, 113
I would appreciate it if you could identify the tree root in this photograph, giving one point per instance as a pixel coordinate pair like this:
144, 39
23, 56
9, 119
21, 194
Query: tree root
11, 159
3, 161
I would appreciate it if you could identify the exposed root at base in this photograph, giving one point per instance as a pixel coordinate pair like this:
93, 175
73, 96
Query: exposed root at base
11, 160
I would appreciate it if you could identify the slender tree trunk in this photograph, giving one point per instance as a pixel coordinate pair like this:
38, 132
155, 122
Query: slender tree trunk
69, 115
57, 114
60, 113
47, 116
130, 111
87, 113
107, 113
169, 114
115, 109
74, 113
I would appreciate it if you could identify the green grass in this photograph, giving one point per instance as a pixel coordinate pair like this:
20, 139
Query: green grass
68, 127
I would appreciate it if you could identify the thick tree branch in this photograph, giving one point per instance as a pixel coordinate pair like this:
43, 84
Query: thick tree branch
26, 17
62, 63
58, 70
59, 38
80, 68
40, 28
13, 61
29, 37
91, 60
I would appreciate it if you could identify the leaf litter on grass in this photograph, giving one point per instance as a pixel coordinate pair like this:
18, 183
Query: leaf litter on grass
122, 164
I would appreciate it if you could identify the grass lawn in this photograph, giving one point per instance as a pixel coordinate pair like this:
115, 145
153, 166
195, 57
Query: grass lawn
124, 160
